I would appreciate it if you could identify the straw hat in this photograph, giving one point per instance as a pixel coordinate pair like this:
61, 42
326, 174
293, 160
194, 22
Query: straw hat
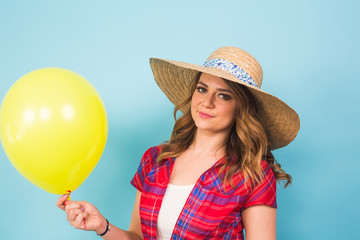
175, 79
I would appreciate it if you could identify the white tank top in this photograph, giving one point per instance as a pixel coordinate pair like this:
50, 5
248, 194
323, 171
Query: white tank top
171, 206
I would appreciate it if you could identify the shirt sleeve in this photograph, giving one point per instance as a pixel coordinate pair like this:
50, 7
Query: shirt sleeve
145, 166
265, 192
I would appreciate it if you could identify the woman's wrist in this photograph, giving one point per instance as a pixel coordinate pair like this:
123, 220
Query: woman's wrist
103, 226
106, 230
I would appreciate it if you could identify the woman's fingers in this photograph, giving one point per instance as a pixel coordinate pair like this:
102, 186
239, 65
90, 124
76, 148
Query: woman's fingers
72, 214
88, 208
81, 214
72, 208
79, 221
61, 201
75, 214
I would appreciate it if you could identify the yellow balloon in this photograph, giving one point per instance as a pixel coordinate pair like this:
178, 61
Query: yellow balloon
53, 127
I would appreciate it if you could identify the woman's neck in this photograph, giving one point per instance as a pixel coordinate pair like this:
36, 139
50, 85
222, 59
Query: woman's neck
209, 143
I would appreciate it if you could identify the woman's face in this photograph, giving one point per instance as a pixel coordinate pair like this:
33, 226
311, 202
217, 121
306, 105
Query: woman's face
213, 105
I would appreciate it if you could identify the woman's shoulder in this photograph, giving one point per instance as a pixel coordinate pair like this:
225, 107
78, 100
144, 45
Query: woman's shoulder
238, 182
152, 153
266, 168
154, 150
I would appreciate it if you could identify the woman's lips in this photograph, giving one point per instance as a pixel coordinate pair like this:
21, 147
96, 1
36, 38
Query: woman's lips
204, 115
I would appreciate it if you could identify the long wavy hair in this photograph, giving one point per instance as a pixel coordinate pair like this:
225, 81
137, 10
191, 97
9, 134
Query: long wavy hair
246, 145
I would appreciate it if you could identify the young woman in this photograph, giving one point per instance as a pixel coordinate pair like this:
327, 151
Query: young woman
216, 176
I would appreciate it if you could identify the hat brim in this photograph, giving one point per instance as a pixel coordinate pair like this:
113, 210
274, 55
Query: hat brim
175, 79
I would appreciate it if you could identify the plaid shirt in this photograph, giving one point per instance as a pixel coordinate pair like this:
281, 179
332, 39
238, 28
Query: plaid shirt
211, 211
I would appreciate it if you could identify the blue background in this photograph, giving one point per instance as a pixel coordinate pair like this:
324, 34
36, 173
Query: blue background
309, 51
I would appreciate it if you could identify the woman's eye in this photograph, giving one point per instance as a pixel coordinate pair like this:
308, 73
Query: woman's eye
224, 96
201, 89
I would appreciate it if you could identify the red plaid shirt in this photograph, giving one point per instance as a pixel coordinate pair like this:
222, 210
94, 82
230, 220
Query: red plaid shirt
211, 211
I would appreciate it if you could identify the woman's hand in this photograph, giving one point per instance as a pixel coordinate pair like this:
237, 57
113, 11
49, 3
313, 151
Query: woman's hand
82, 215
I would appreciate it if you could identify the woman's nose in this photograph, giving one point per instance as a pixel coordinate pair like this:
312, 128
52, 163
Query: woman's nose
208, 100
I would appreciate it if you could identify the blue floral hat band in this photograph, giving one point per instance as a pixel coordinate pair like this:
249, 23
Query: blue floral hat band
231, 68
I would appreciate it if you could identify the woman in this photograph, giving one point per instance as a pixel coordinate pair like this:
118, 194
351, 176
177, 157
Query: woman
216, 175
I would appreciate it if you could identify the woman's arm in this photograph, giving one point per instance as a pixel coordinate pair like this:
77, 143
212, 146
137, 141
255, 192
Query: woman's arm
83, 215
259, 222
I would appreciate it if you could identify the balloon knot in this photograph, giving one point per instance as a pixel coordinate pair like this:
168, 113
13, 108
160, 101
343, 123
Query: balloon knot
68, 192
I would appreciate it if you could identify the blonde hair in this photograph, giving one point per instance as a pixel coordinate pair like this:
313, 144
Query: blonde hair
246, 145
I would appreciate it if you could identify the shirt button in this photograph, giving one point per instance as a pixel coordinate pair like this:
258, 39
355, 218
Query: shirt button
187, 206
